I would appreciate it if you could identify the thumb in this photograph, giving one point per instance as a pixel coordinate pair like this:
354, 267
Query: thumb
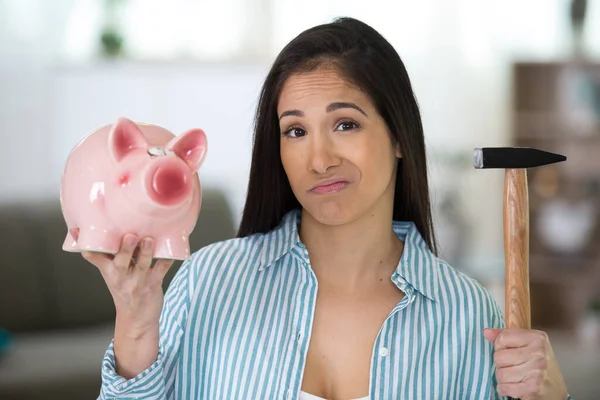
491, 334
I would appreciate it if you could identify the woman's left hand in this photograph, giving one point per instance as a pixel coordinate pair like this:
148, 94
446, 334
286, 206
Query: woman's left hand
526, 366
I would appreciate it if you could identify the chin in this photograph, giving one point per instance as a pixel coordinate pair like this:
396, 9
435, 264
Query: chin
332, 213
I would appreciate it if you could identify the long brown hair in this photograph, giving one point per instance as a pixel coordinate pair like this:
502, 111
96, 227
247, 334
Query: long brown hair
367, 60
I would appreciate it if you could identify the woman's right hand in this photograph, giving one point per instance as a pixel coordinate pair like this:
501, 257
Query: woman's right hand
135, 285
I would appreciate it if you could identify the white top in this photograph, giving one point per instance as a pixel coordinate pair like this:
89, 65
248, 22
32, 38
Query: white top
308, 396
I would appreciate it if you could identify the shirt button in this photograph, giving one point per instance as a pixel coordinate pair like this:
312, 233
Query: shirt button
383, 352
289, 394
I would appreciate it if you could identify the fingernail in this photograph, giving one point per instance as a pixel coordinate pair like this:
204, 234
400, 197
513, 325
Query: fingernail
131, 240
147, 243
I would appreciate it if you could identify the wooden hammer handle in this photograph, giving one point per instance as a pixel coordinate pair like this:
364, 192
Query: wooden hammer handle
516, 249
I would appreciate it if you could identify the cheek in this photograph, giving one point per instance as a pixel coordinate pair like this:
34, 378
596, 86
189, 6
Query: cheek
291, 161
375, 163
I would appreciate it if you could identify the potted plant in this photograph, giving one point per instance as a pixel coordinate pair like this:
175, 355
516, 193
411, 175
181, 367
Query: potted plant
111, 35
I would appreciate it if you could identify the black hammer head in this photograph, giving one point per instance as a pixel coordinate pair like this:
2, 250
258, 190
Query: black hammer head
513, 157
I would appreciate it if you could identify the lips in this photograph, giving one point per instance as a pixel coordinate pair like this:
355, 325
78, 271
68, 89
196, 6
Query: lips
327, 186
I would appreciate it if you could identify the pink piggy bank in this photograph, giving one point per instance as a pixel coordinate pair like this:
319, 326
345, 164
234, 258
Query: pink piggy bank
133, 178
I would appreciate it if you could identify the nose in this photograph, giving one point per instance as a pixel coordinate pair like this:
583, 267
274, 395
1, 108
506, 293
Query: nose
171, 183
322, 154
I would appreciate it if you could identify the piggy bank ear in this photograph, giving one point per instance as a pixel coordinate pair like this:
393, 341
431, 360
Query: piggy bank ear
191, 147
124, 137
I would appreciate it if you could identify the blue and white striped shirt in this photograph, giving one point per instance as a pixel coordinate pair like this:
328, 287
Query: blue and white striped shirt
237, 321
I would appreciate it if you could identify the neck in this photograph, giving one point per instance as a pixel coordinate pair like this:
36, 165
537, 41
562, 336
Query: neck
347, 256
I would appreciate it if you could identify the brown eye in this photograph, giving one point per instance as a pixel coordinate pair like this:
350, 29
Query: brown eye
347, 126
295, 132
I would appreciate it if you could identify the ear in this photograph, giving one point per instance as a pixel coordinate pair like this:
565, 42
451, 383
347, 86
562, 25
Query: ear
398, 152
124, 137
191, 147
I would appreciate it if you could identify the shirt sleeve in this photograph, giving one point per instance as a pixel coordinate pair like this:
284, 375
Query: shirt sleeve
487, 314
497, 322
157, 381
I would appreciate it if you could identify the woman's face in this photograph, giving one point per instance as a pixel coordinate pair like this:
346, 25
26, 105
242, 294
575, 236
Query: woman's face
335, 148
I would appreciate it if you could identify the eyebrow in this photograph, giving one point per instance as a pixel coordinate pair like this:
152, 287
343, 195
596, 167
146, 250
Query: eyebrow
330, 108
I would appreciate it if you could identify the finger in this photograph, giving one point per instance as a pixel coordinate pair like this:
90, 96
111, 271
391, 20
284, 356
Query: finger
99, 260
123, 257
514, 374
491, 334
531, 371
514, 338
144, 258
524, 390
161, 267
511, 357
514, 390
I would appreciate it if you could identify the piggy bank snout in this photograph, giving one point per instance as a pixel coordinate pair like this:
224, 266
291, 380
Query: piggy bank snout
169, 182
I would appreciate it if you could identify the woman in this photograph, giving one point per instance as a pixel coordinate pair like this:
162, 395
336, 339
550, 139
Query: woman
332, 288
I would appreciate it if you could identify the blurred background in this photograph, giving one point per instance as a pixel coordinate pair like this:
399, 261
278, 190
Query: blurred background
485, 73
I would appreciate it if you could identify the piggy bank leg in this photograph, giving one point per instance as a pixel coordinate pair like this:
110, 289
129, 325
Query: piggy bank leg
99, 240
174, 247
70, 244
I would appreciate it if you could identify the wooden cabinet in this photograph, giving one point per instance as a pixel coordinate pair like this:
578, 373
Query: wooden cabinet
556, 107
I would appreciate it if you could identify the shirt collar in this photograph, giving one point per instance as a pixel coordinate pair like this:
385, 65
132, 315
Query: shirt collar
417, 266
281, 239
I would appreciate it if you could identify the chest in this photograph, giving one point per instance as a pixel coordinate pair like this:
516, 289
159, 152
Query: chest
343, 336
273, 339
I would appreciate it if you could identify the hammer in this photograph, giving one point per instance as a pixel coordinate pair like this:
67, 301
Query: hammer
515, 160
